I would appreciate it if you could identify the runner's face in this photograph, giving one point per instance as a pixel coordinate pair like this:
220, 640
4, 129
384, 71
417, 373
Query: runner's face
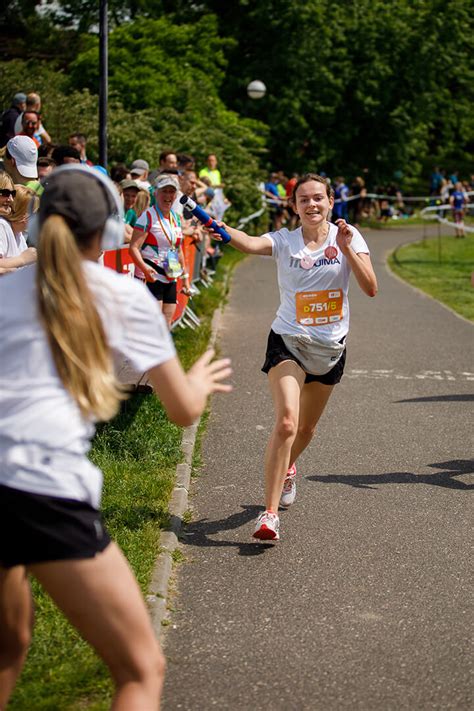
165, 198
312, 203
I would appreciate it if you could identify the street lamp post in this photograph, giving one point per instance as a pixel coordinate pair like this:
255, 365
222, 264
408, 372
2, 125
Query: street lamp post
103, 81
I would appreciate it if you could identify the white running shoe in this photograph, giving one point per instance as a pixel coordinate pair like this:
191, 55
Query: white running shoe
267, 527
288, 495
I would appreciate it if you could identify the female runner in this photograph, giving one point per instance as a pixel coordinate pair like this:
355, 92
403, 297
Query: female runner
156, 247
306, 347
61, 321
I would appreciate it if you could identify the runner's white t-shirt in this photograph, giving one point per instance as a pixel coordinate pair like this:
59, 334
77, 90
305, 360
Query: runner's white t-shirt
317, 294
11, 245
43, 436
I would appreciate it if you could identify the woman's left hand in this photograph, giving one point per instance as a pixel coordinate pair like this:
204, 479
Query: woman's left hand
344, 235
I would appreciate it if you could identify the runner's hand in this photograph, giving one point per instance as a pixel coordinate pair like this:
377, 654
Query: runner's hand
29, 255
216, 235
344, 235
206, 376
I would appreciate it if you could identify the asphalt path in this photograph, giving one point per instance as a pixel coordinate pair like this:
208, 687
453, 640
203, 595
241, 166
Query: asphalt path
365, 601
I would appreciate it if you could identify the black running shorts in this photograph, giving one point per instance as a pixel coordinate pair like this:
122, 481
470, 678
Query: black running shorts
277, 352
38, 529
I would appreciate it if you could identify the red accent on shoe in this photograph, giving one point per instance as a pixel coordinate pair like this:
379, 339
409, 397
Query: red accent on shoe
265, 534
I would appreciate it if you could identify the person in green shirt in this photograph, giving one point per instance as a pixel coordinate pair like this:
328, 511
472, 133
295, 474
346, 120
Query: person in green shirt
130, 192
211, 171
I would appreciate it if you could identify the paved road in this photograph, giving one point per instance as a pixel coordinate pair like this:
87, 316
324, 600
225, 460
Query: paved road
364, 604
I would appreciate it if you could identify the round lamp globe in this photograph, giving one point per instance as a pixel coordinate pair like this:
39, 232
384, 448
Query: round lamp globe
256, 89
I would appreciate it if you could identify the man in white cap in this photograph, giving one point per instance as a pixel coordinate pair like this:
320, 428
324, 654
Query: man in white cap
139, 171
21, 157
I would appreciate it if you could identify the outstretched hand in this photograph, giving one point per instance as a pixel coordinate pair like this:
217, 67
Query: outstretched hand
216, 235
344, 235
206, 376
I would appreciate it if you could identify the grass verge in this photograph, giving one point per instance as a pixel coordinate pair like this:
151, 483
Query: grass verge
441, 267
137, 453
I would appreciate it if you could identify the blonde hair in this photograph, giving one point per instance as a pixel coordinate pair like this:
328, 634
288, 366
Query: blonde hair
73, 325
143, 202
6, 181
24, 196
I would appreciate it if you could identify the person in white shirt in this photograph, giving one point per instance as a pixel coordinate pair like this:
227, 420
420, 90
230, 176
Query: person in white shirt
14, 252
306, 347
60, 330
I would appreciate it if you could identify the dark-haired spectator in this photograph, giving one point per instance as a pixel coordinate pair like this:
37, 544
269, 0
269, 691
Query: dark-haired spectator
139, 173
79, 142
9, 117
33, 103
30, 122
63, 155
45, 167
130, 192
21, 156
185, 162
276, 205
120, 172
359, 193
168, 161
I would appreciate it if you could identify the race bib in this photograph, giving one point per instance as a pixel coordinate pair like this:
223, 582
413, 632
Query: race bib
318, 308
172, 265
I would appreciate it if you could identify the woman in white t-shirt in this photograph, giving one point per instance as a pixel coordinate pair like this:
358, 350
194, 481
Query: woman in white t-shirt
306, 347
62, 322
14, 252
157, 247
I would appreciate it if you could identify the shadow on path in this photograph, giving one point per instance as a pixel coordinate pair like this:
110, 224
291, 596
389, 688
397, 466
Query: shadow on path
197, 532
446, 479
468, 397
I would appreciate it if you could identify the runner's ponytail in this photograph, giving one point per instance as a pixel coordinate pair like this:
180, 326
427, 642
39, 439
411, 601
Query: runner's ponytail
73, 325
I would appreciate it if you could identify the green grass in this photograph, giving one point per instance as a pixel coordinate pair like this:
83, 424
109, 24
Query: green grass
137, 452
440, 267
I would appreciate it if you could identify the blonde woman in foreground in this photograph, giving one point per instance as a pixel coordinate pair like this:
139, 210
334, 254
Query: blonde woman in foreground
61, 322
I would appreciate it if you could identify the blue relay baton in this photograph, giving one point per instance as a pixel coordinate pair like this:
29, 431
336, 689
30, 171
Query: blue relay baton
203, 217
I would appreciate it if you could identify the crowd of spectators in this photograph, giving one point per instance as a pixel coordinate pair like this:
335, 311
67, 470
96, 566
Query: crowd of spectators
355, 202
28, 155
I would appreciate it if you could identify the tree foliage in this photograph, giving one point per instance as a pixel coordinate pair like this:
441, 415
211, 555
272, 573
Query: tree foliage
385, 85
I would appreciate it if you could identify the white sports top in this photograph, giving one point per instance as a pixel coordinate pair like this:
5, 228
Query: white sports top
43, 436
327, 271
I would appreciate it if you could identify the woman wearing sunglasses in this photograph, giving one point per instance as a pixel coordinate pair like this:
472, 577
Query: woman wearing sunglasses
14, 252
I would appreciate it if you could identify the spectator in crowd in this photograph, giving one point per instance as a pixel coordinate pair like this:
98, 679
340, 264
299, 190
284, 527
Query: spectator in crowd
45, 167
65, 155
157, 247
130, 192
276, 205
14, 252
21, 157
30, 122
185, 162
211, 171
33, 103
359, 193
341, 194
289, 187
458, 201
79, 142
139, 173
143, 201
25, 202
168, 161
120, 172
436, 179
9, 117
